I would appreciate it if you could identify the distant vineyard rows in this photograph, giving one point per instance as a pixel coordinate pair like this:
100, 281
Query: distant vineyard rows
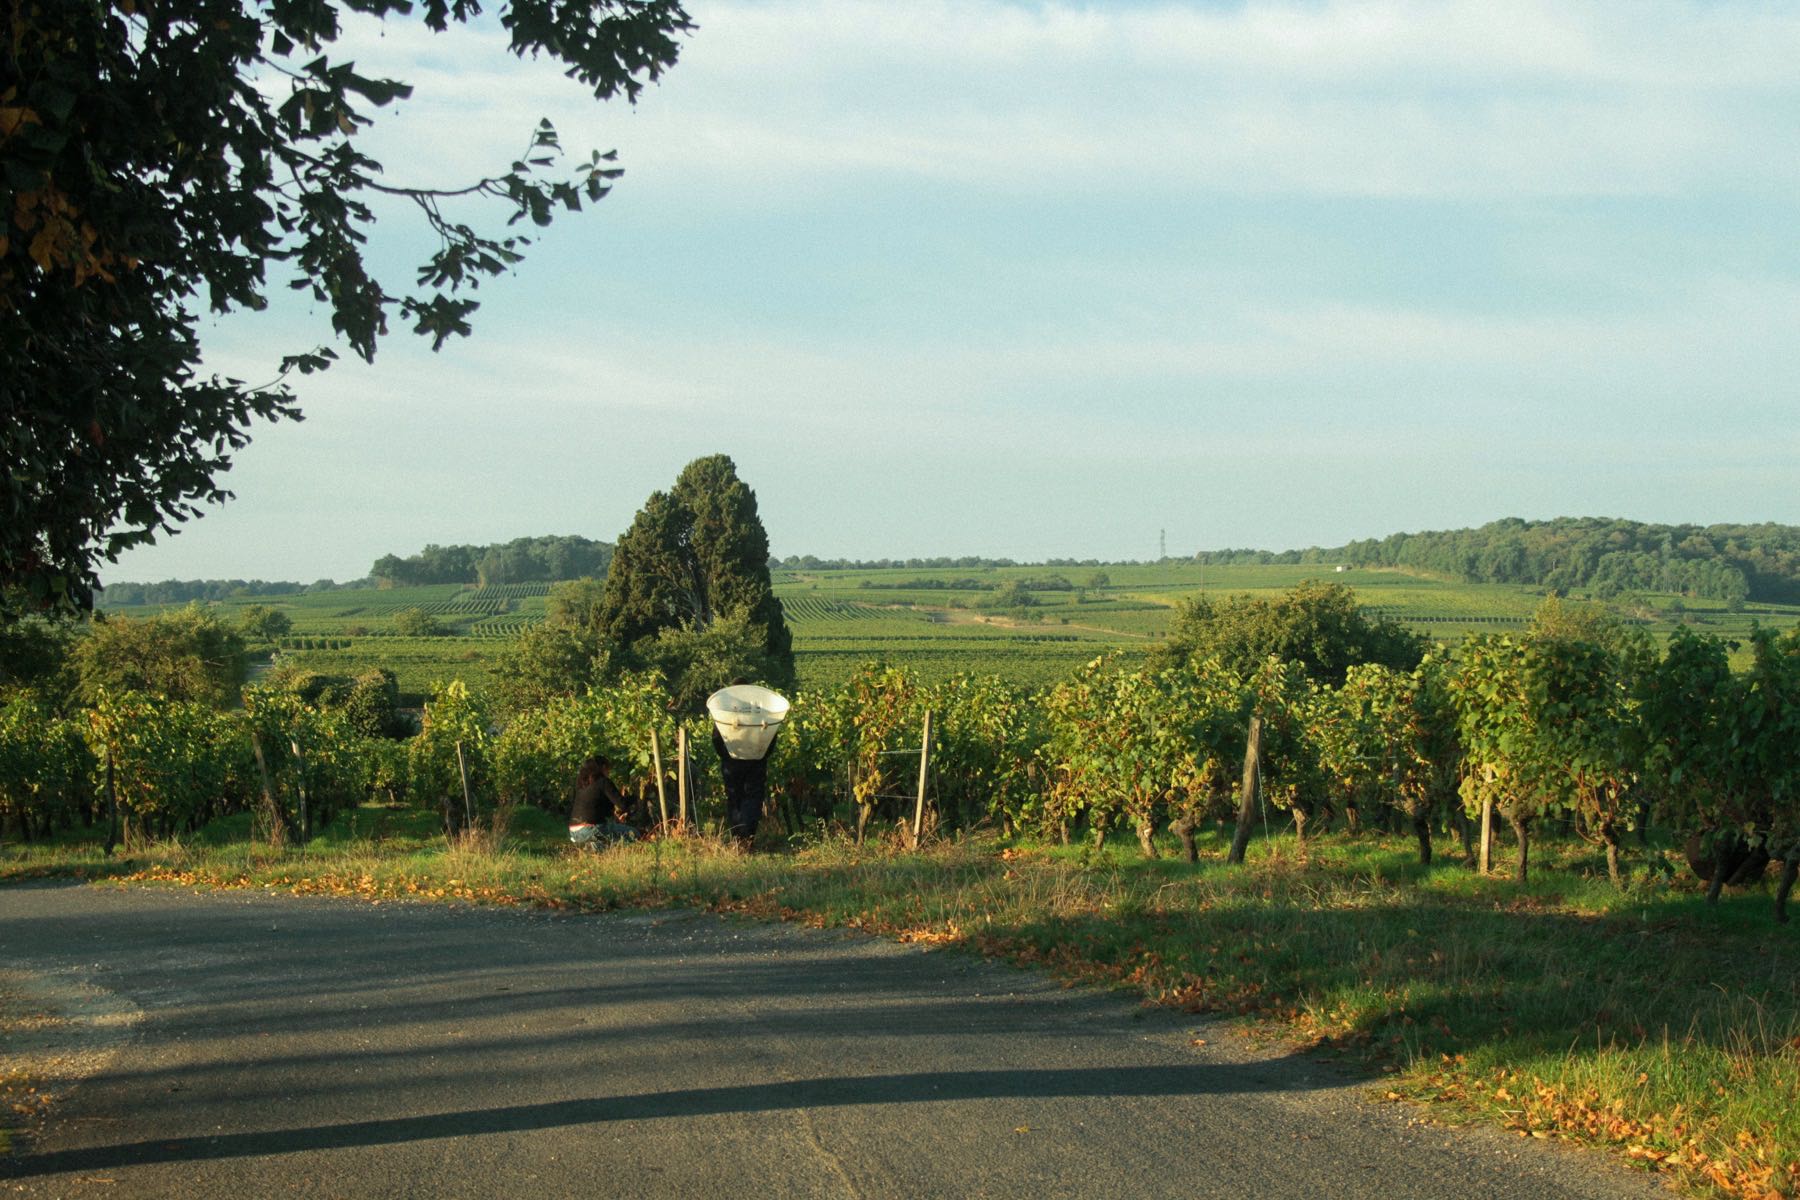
510, 591
812, 608
502, 627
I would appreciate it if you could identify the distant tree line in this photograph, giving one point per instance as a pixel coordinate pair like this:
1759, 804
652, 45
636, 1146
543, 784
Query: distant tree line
1733, 563
185, 591
809, 562
965, 584
522, 560
1048, 583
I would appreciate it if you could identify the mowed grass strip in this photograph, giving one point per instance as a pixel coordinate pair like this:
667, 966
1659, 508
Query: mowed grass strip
1639, 1019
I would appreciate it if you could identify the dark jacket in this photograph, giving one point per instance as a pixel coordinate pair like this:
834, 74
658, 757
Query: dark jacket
596, 803
733, 768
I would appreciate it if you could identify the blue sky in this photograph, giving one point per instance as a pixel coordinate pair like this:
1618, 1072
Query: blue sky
973, 277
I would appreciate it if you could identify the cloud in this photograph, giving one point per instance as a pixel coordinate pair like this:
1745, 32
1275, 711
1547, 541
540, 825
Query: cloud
1294, 270
1338, 380
1397, 99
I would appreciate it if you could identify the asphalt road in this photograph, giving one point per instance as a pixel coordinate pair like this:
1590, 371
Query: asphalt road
332, 1048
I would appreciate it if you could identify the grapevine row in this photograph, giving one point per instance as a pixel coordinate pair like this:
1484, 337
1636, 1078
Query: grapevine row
1602, 738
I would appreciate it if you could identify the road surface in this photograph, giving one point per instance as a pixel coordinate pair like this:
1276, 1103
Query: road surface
335, 1048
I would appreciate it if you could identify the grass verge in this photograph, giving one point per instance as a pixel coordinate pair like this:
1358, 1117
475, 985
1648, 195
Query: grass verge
1640, 1020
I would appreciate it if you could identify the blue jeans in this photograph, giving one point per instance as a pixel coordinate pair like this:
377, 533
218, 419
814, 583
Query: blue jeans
599, 835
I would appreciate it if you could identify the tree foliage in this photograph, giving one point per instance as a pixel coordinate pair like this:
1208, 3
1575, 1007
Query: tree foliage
1575, 720
522, 560
369, 702
695, 558
181, 591
187, 655
416, 622
698, 662
260, 623
1316, 625
549, 662
156, 158
35, 662
1721, 562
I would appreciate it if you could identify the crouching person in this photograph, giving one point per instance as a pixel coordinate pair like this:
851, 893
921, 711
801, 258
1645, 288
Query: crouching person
599, 812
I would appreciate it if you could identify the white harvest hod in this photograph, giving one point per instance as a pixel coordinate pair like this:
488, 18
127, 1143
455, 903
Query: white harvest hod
747, 717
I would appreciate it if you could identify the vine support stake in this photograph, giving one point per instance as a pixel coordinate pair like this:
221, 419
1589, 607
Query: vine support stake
1487, 833
681, 777
1250, 792
112, 806
271, 810
918, 823
300, 788
462, 769
662, 797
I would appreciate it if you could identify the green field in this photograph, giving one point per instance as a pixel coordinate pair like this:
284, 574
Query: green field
844, 618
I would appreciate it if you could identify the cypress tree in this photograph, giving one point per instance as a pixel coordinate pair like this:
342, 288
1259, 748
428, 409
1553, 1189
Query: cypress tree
695, 556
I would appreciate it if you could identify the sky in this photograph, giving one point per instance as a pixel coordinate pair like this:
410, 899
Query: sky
1037, 280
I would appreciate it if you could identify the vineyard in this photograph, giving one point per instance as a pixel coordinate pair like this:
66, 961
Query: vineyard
420, 664
1592, 738
511, 591
811, 610
841, 619
508, 626
1606, 766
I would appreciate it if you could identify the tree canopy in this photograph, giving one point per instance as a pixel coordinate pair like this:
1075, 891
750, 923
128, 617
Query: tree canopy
1719, 562
158, 158
562, 657
181, 591
522, 560
187, 655
260, 623
1317, 625
696, 557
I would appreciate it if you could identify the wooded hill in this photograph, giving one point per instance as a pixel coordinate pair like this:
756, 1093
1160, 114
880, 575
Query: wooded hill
1604, 555
181, 591
522, 560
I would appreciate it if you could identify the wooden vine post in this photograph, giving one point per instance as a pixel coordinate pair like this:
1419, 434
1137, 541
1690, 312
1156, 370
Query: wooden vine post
681, 778
695, 789
112, 806
462, 769
300, 788
918, 822
271, 810
1250, 793
1487, 835
662, 799
1487, 822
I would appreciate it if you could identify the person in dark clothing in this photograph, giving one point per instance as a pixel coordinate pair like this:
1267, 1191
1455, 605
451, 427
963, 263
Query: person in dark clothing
746, 779
599, 812
746, 789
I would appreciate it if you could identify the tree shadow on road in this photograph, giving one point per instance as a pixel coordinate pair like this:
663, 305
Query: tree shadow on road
1098, 1083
